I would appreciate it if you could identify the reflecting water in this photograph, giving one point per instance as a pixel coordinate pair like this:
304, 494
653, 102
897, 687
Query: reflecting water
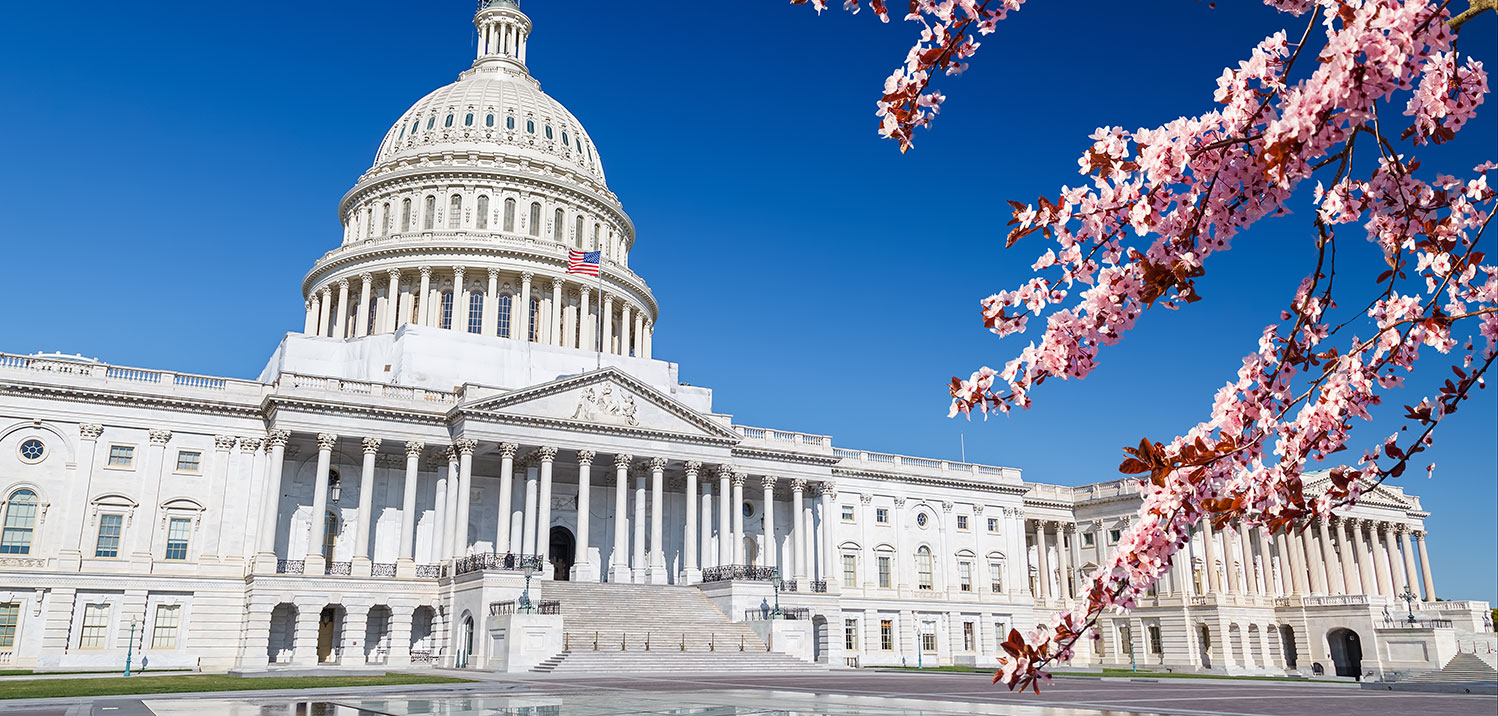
596, 703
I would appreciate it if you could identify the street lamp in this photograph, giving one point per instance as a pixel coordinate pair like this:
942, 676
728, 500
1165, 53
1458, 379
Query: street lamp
525, 596
777, 581
1409, 601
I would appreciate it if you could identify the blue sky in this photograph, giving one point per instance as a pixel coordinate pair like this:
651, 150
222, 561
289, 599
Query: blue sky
172, 172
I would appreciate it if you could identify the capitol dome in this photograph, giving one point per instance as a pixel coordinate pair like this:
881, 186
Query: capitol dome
477, 200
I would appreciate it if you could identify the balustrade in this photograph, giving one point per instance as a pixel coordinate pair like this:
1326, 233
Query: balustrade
734, 572
492, 561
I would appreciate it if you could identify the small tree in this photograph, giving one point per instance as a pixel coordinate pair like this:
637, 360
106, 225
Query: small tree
1346, 105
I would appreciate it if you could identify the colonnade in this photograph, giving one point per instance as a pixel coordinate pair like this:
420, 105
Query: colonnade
1348, 556
554, 310
524, 530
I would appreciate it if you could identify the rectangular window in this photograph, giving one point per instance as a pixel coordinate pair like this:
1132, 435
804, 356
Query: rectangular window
993, 524
1088, 539
189, 461
965, 575
1157, 644
95, 632
108, 544
928, 638
10, 617
847, 513
923, 574
850, 634
850, 570
996, 577
969, 638
1126, 640
1000, 635
884, 576
177, 533
164, 633
121, 455
886, 635
1113, 536
962, 522
881, 515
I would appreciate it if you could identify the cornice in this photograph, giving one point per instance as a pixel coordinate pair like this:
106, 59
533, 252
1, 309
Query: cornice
785, 456
276, 402
1001, 488
595, 428
143, 400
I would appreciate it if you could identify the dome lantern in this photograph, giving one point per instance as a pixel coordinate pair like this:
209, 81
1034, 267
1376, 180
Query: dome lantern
503, 31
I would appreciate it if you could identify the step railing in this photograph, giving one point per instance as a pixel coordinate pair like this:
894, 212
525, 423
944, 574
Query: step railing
651, 640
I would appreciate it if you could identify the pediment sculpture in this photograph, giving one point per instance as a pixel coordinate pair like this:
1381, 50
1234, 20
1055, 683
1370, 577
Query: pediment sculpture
602, 404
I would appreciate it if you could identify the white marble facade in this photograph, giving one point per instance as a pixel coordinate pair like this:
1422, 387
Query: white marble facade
456, 398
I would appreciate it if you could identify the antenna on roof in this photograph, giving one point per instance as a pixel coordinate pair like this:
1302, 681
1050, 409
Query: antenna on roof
962, 440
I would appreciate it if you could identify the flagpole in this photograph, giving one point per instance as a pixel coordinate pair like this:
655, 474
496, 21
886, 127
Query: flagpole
598, 329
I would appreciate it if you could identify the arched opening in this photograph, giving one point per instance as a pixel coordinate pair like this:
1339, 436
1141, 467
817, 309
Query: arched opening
819, 639
422, 647
1346, 652
465, 643
751, 551
1204, 644
282, 634
1287, 640
563, 553
377, 635
329, 634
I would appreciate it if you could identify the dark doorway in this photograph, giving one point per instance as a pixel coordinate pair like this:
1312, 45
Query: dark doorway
563, 553
1204, 645
1287, 636
1346, 652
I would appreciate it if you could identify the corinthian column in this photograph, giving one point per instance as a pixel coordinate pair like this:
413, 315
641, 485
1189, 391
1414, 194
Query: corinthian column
555, 337
767, 482
798, 491
425, 315
366, 290
465, 448
315, 559
640, 561
1430, 583
1390, 554
1411, 577
547, 455
393, 301
656, 573
361, 565
690, 574
523, 327
830, 573
405, 563
275, 444
1365, 558
340, 320
582, 571
1384, 580
725, 517
506, 497
1209, 542
619, 570
738, 519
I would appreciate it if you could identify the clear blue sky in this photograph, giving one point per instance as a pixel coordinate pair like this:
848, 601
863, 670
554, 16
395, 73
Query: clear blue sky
173, 169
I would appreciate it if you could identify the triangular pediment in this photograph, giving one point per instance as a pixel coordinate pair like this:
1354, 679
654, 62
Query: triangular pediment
1320, 480
607, 399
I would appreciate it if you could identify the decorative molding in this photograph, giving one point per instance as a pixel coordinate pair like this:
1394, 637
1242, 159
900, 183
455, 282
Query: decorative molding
622, 461
90, 431
585, 458
224, 443
603, 406
327, 441
465, 446
160, 437
370, 445
414, 448
250, 445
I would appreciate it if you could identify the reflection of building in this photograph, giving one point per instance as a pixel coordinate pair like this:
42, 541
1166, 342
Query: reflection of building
457, 399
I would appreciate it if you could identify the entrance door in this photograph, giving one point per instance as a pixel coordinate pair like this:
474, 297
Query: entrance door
1287, 635
1204, 642
325, 635
1346, 652
563, 553
465, 643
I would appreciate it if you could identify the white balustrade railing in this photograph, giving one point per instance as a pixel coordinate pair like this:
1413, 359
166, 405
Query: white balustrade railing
297, 381
90, 369
784, 438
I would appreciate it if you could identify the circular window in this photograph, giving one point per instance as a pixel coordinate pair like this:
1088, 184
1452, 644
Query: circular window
748, 510
920, 519
33, 450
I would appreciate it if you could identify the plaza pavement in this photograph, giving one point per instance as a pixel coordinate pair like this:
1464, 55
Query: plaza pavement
838, 692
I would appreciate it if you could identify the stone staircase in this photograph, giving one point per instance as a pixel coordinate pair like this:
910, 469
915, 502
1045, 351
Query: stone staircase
620, 628
1462, 669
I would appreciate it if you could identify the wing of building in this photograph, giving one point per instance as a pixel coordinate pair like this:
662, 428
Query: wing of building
471, 457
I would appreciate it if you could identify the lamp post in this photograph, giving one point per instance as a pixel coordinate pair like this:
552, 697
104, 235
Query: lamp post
777, 581
130, 647
525, 597
1409, 601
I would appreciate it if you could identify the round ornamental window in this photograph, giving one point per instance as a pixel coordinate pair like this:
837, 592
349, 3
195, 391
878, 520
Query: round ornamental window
748, 510
33, 450
920, 519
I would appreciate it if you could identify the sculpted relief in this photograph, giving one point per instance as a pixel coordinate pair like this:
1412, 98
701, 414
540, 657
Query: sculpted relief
603, 404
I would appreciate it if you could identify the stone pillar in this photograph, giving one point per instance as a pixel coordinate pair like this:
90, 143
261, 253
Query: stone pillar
465, 448
798, 490
582, 569
304, 639
649, 335
656, 572
638, 559
213, 538
447, 511
1063, 589
606, 319
1290, 569
1209, 544
1019, 563
506, 496
340, 319
1043, 580
1397, 583
1411, 577
640, 333
361, 566
808, 545
310, 324
767, 483
1365, 558
690, 574
548, 456
585, 334
490, 321
354, 652
624, 329
870, 565
619, 570
405, 563
460, 301
528, 525
1233, 556
1430, 582
725, 518
738, 519
361, 314
1331, 576
830, 570
392, 302
1346, 562
324, 310
555, 337
315, 559
1383, 577
522, 330
709, 556
1266, 572
424, 313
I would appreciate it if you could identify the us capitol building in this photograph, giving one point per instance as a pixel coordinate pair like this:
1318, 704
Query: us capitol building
443, 432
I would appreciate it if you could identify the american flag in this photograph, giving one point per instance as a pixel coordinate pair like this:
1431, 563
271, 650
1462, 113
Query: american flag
582, 262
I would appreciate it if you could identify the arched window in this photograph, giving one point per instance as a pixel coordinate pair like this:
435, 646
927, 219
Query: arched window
509, 224
415, 126
488, 120
595, 238
548, 131
385, 218
455, 212
430, 215
369, 217
504, 304
530, 126
20, 520
448, 122
531, 321
330, 532
535, 227
475, 312
374, 303
558, 225
402, 134
923, 567
431, 121
468, 120
481, 215
565, 141
447, 309
405, 215
577, 232
509, 122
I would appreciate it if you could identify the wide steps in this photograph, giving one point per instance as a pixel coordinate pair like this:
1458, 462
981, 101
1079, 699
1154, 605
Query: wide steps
1463, 668
596, 662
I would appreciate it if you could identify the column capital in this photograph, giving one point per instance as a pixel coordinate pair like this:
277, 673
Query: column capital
343, 283
557, 284
371, 445
526, 276
978, 508
585, 290
366, 278
622, 461
1400, 528
546, 454
465, 446
224, 442
1097, 524
693, 467
508, 450
899, 503
395, 273
724, 471
249, 445
90, 431
768, 481
1419, 534
946, 505
277, 438
426, 271
738, 479
451, 453
1068, 527
160, 437
585, 457
326, 441
866, 499
458, 272
658, 464
493, 272
798, 485
829, 489
327, 292
414, 448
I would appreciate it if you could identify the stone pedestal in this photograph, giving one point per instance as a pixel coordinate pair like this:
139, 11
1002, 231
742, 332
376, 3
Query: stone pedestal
518, 642
361, 567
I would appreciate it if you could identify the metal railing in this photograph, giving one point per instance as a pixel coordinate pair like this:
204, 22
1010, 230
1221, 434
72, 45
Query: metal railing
428, 571
339, 569
509, 606
819, 586
767, 614
291, 566
734, 572
788, 585
493, 561
652, 641
382, 569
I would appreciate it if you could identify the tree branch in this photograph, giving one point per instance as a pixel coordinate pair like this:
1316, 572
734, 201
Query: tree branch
1475, 8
